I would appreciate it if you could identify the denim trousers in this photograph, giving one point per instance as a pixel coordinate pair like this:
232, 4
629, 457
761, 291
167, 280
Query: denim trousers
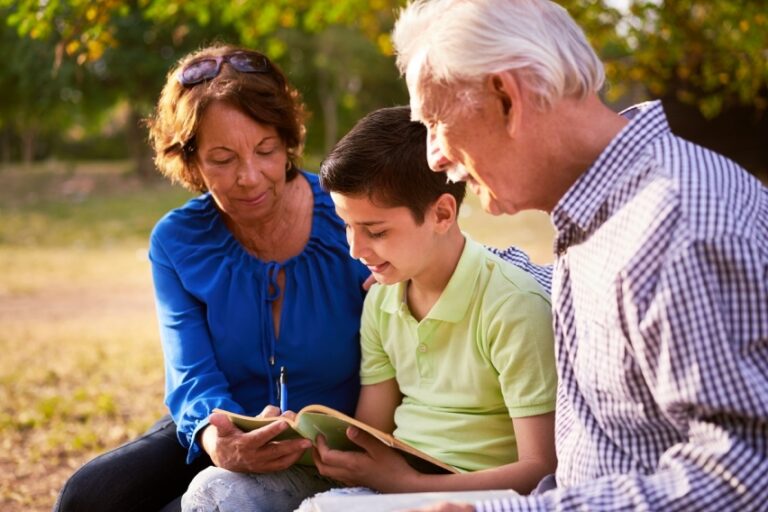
218, 490
147, 474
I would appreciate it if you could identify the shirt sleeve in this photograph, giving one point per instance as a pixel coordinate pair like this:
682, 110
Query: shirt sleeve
521, 345
194, 384
375, 364
701, 339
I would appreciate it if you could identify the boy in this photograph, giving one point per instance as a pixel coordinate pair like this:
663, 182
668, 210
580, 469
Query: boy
457, 350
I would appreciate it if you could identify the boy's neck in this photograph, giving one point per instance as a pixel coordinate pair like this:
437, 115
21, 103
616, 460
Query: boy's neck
424, 290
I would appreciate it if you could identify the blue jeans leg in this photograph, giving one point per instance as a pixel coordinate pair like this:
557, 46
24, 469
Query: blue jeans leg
219, 490
143, 475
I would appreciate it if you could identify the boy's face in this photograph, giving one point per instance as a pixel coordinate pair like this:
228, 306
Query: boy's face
386, 239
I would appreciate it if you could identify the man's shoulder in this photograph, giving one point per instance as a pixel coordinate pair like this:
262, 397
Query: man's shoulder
713, 196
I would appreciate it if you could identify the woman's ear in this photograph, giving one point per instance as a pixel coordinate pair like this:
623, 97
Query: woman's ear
444, 210
505, 87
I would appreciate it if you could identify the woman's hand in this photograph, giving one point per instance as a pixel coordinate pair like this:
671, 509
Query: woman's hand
378, 466
251, 452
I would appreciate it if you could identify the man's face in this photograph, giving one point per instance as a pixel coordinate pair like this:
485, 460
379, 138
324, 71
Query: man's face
469, 143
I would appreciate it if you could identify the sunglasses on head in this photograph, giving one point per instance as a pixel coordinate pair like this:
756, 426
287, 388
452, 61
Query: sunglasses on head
209, 67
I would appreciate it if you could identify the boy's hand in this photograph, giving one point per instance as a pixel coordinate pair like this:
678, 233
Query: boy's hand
378, 466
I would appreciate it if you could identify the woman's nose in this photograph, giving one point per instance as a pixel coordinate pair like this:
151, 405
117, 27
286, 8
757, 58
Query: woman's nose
248, 173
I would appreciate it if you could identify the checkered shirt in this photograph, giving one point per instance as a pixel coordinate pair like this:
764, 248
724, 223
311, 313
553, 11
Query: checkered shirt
660, 298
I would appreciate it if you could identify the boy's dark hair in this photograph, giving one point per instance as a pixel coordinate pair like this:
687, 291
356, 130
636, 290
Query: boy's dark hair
384, 156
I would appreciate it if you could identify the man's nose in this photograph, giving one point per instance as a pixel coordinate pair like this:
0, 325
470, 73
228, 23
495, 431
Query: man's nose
438, 162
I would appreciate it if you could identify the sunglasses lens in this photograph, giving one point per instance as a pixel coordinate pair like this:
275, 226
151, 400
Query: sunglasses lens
249, 63
198, 71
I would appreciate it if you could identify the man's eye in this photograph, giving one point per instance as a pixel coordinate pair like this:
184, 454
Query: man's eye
379, 234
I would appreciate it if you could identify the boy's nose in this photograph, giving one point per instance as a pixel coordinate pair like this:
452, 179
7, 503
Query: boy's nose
356, 248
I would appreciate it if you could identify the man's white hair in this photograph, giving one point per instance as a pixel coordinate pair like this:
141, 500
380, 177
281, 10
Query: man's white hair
449, 42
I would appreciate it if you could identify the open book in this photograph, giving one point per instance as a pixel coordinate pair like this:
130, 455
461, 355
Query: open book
332, 424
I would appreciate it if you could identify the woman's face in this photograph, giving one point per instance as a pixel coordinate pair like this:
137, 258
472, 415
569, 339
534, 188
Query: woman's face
242, 162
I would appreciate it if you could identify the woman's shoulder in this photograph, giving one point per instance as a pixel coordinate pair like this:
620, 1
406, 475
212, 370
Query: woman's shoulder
194, 225
322, 199
326, 225
187, 216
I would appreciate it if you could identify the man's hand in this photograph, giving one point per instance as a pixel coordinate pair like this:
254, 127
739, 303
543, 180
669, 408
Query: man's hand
445, 507
378, 466
251, 452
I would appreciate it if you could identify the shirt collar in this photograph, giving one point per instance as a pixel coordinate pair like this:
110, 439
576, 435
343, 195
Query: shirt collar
580, 204
457, 295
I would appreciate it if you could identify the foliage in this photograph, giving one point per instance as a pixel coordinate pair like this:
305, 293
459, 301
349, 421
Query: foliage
709, 54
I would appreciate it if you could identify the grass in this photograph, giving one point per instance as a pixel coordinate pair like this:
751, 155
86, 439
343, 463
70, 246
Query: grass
81, 366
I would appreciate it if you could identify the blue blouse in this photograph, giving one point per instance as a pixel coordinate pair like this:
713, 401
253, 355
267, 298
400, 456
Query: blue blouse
214, 310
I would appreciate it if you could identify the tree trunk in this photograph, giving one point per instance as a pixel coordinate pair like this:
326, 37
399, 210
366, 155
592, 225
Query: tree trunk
5, 146
138, 146
328, 92
28, 139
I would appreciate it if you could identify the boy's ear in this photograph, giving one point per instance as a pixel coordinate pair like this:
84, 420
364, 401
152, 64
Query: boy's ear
445, 211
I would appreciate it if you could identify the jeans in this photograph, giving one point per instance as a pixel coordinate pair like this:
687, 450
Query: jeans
144, 475
219, 490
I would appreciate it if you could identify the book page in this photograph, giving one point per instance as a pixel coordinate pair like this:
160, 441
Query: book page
392, 502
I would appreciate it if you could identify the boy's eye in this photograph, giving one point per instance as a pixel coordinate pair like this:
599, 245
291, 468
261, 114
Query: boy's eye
379, 234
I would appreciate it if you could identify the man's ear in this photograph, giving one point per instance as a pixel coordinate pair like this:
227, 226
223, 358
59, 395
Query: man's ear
444, 211
506, 88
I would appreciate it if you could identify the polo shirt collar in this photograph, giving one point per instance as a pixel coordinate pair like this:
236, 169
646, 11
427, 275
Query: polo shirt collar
457, 295
580, 204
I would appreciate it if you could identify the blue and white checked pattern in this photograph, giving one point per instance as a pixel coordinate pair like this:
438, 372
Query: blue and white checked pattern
660, 297
541, 273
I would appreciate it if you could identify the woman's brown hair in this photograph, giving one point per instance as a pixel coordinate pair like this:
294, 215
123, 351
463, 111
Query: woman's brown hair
265, 97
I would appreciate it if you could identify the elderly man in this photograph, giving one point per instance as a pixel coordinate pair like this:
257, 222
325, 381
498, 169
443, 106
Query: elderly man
660, 287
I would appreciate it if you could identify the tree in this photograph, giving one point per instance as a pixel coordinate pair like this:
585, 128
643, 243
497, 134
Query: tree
708, 55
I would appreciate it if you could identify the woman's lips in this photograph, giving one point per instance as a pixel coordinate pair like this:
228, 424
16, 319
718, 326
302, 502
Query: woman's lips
253, 201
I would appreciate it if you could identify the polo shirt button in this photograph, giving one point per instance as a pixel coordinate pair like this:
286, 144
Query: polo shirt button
422, 347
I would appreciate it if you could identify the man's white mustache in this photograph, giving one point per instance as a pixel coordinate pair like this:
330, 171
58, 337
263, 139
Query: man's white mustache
457, 173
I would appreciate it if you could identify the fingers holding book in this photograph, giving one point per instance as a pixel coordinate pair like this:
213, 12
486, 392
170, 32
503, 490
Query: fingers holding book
376, 466
252, 452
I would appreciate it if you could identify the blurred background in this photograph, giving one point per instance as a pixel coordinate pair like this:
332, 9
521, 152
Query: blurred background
80, 361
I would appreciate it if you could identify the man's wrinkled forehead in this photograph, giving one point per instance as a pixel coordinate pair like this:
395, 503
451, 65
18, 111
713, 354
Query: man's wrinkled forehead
430, 101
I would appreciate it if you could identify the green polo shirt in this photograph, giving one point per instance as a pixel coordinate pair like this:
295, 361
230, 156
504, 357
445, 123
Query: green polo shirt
483, 355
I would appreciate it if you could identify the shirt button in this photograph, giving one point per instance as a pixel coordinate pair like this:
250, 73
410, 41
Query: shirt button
422, 347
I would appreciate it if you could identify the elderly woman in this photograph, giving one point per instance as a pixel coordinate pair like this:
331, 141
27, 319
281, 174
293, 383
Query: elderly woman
251, 276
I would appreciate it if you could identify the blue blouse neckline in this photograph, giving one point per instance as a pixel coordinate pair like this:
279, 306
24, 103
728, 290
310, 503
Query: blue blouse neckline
237, 250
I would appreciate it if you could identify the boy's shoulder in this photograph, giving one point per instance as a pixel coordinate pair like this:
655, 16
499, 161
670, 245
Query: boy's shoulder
499, 277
